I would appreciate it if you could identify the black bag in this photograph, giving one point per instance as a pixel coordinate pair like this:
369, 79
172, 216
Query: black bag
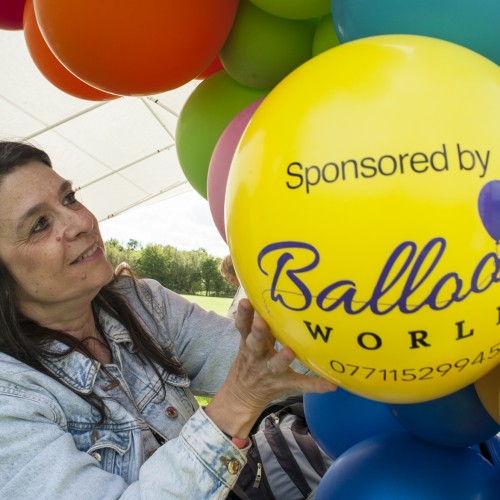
284, 461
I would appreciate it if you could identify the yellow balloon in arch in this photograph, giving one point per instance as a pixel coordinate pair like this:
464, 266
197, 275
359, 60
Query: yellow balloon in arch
359, 207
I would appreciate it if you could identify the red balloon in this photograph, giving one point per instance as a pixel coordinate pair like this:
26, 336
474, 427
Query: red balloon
50, 67
135, 47
11, 14
212, 68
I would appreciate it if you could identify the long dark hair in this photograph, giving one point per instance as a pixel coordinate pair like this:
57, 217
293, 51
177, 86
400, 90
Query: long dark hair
29, 342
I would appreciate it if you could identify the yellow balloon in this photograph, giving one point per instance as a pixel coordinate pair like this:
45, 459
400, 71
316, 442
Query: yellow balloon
359, 207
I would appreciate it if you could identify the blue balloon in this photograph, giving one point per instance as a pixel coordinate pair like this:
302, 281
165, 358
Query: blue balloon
459, 419
339, 419
401, 466
489, 208
470, 23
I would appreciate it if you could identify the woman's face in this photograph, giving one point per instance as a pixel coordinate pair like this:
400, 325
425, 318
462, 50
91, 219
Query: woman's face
50, 242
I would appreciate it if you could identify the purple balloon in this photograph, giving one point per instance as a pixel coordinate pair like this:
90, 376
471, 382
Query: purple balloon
489, 208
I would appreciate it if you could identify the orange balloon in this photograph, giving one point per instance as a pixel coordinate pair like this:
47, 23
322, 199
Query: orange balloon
131, 47
50, 67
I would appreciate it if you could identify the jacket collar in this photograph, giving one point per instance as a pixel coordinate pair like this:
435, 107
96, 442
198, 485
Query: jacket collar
76, 370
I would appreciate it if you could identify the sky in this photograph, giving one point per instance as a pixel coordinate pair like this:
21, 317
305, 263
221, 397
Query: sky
183, 221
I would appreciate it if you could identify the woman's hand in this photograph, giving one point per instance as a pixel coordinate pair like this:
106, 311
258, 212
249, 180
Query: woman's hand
258, 375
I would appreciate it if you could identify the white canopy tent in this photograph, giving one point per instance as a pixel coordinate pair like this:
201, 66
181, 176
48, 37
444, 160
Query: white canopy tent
119, 154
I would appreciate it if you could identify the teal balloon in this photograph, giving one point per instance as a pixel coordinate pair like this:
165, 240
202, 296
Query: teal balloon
203, 118
262, 49
471, 23
294, 9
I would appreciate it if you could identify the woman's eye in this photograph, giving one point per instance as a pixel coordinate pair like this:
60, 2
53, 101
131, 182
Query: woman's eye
70, 198
40, 225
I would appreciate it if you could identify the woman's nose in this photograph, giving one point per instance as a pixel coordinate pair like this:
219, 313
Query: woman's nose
78, 222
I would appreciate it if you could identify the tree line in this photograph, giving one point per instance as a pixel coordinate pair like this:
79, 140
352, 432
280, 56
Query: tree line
187, 272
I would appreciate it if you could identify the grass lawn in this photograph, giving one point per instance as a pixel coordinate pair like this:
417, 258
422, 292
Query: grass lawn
218, 304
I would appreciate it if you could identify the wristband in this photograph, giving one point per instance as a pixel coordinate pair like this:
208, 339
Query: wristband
240, 443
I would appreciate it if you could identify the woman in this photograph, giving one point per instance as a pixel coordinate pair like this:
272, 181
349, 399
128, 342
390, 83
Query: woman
229, 273
98, 372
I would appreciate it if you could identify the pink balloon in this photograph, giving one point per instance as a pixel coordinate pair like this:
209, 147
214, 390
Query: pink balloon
220, 163
11, 14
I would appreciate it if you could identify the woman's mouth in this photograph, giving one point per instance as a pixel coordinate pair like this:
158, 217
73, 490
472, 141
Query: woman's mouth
86, 254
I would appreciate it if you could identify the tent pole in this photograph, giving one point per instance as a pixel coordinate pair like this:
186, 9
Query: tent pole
135, 162
61, 122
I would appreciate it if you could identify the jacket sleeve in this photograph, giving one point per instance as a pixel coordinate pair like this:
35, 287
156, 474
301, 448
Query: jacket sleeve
39, 459
205, 342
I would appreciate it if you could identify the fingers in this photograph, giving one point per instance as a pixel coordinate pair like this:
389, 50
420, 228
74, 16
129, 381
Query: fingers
320, 385
258, 355
261, 340
249, 322
244, 317
280, 362
307, 383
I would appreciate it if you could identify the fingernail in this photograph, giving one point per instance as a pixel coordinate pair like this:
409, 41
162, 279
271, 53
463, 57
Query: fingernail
329, 387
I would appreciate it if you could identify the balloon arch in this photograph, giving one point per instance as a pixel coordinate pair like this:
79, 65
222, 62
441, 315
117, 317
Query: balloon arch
349, 153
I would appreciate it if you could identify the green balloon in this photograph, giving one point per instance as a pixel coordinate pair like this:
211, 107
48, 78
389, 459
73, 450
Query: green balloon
325, 36
203, 118
262, 49
294, 9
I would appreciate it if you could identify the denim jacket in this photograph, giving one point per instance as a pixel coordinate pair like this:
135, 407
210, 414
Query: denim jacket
53, 447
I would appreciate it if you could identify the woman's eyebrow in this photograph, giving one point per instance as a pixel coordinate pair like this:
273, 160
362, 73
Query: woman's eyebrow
65, 185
